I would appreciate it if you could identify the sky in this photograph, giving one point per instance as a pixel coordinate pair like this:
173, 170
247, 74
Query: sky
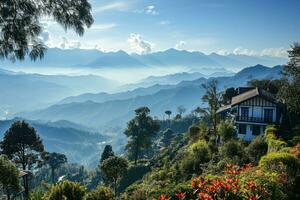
256, 27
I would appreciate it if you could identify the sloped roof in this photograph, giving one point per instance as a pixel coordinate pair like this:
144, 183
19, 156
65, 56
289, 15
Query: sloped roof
248, 95
252, 93
223, 108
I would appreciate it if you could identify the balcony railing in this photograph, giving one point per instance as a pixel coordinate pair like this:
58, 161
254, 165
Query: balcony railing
253, 119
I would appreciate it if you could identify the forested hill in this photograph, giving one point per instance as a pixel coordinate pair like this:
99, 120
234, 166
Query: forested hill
119, 107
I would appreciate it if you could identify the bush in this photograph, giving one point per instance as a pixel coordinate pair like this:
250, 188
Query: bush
226, 131
277, 161
194, 133
233, 150
66, 190
257, 148
100, 193
274, 144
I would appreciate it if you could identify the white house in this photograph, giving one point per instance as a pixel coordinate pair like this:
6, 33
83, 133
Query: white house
252, 110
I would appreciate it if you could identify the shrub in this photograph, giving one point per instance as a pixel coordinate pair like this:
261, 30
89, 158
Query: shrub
100, 193
233, 150
226, 131
274, 144
278, 161
194, 133
257, 148
66, 190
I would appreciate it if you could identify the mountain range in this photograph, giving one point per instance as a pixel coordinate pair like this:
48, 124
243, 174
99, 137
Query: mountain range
102, 109
56, 57
22, 91
78, 143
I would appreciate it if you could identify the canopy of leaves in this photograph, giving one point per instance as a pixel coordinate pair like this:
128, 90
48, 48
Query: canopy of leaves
22, 144
100, 193
107, 152
20, 25
66, 190
9, 174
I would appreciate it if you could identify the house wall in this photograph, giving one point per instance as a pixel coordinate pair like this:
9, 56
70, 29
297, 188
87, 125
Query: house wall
258, 111
248, 136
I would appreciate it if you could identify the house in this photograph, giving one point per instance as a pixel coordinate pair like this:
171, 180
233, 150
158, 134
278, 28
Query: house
252, 110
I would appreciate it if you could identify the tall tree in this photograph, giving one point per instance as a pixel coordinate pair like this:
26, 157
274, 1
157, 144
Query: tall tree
228, 94
114, 168
181, 110
54, 161
22, 144
213, 98
20, 24
269, 85
9, 176
140, 131
107, 152
169, 113
290, 90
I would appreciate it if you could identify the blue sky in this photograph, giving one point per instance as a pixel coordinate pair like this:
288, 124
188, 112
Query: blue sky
256, 27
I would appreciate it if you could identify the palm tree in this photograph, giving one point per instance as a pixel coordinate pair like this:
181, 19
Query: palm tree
169, 113
213, 98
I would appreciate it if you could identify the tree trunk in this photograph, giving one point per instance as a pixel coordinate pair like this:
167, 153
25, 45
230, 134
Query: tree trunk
115, 186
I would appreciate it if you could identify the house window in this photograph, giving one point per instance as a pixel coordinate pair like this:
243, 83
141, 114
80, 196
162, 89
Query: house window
268, 115
242, 129
255, 130
244, 113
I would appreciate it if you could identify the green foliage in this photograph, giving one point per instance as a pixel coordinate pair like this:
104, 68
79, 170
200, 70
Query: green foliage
228, 94
22, 144
134, 173
234, 150
269, 85
257, 148
226, 130
9, 175
167, 137
140, 130
194, 133
196, 155
277, 161
36, 195
100, 193
107, 152
213, 98
114, 168
54, 161
274, 144
20, 32
66, 190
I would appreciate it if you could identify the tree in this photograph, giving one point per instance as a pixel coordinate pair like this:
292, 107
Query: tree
22, 144
228, 94
20, 25
100, 193
290, 89
198, 111
167, 136
107, 152
114, 168
269, 85
66, 190
181, 110
54, 161
226, 130
257, 148
213, 98
169, 113
9, 176
194, 133
140, 131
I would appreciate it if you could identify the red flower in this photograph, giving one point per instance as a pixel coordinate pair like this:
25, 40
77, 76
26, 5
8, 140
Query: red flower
180, 196
163, 197
204, 196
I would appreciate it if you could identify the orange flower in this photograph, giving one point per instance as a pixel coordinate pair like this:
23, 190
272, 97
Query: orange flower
163, 197
180, 196
204, 196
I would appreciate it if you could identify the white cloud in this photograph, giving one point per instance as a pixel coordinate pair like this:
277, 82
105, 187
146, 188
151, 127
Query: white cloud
180, 45
151, 10
103, 27
45, 36
119, 6
164, 22
138, 45
69, 44
274, 52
